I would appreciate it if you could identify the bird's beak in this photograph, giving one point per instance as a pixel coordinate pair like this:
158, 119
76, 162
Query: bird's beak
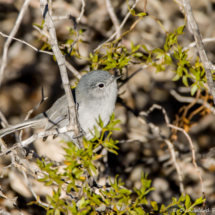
114, 77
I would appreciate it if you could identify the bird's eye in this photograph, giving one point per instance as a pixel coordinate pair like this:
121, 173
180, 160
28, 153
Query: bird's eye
101, 85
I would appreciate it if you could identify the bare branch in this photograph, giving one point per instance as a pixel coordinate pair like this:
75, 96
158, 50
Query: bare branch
35, 136
200, 47
12, 33
193, 155
120, 27
113, 17
61, 62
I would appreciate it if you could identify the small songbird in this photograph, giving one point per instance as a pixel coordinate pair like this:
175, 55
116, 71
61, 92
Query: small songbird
95, 95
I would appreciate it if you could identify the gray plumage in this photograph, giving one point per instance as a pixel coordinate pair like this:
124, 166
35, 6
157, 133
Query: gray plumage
95, 95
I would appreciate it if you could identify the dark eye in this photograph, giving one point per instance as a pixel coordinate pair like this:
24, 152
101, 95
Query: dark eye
101, 85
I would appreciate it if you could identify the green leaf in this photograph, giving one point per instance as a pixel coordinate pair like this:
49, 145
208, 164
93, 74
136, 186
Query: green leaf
145, 48
97, 134
141, 14
133, 12
154, 205
184, 80
57, 212
187, 201
48, 183
176, 78
180, 29
194, 89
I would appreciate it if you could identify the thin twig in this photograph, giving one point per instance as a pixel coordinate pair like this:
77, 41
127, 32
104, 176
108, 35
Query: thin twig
120, 27
22, 41
32, 110
200, 46
12, 34
172, 151
113, 17
193, 156
169, 144
82, 11
191, 99
33, 193
4, 120
145, 6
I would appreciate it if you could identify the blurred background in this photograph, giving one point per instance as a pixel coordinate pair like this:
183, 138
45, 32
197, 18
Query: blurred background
28, 71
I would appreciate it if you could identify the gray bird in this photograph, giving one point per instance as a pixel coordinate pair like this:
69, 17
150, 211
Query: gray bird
95, 95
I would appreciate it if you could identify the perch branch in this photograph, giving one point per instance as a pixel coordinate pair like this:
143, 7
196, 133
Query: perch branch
73, 124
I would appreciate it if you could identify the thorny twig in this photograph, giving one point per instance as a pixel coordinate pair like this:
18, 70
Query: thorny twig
12, 34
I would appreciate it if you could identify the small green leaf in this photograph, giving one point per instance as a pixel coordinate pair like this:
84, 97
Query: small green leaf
184, 80
187, 202
176, 78
180, 29
133, 12
194, 89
